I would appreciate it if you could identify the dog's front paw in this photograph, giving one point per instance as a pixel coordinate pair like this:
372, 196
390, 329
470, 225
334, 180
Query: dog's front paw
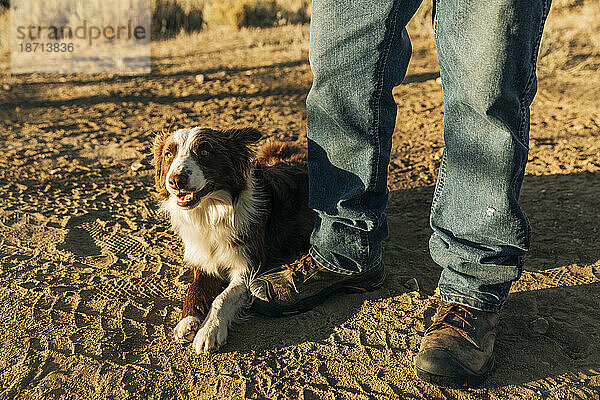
186, 329
211, 336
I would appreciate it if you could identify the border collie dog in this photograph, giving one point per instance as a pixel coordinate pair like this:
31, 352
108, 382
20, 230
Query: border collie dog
238, 213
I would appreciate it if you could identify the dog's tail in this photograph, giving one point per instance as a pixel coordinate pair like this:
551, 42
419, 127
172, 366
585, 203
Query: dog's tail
275, 152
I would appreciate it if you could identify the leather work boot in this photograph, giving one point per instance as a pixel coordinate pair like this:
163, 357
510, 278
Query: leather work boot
457, 350
302, 285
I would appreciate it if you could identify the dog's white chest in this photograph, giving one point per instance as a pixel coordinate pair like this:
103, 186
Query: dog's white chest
208, 242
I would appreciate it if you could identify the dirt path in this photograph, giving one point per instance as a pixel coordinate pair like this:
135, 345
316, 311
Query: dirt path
92, 282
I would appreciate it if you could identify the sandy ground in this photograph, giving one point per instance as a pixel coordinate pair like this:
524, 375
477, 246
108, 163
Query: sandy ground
92, 281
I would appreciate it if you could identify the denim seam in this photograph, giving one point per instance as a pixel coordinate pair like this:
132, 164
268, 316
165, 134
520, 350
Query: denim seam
436, 11
532, 73
440, 184
376, 108
523, 107
380, 75
333, 268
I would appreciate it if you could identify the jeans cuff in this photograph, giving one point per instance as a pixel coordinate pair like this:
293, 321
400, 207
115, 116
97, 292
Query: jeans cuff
334, 268
471, 302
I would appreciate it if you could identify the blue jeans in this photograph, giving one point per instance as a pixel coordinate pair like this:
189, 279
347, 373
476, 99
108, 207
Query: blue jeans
487, 53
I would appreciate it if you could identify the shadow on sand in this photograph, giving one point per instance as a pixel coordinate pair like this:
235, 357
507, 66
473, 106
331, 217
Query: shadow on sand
564, 218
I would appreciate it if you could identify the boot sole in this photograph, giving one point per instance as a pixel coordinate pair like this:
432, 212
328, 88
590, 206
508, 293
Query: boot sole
466, 381
272, 310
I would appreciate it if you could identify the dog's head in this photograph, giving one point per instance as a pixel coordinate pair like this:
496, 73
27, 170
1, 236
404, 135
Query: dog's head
190, 164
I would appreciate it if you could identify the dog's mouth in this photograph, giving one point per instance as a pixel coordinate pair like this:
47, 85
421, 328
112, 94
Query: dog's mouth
190, 199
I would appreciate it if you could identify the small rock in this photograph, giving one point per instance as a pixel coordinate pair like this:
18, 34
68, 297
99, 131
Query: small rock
540, 326
438, 79
6, 87
412, 284
17, 109
136, 166
200, 79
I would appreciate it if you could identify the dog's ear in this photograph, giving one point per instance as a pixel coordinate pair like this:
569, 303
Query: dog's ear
159, 144
245, 136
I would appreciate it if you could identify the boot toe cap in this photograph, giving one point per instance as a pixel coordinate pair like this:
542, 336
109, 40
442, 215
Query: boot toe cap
441, 362
440, 367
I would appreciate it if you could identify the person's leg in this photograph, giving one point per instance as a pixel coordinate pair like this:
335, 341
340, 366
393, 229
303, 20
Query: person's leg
487, 53
358, 52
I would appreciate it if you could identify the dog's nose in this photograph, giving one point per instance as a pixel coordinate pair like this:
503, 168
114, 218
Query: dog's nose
178, 181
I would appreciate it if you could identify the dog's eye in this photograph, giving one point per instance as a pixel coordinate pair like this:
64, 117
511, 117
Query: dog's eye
170, 151
168, 154
201, 149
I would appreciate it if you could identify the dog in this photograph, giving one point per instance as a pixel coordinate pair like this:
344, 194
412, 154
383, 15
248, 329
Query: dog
238, 212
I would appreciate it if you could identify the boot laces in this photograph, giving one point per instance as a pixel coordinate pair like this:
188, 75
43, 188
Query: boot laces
462, 313
302, 266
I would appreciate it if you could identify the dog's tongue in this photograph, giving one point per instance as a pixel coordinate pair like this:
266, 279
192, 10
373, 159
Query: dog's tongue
184, 199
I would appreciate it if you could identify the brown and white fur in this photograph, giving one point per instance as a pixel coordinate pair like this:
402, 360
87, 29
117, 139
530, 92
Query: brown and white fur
238, 213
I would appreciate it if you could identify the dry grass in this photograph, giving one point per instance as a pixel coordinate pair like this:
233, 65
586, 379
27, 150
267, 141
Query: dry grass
294, 11
171, 17
256, 13
242, 13
571, 39
4, 30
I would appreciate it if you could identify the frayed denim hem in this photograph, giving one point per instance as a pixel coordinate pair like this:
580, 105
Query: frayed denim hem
471, 302
334, 268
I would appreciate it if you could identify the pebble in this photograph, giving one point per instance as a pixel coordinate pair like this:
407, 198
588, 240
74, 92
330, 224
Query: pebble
136, 166
200, 79
540, 325
6, 87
